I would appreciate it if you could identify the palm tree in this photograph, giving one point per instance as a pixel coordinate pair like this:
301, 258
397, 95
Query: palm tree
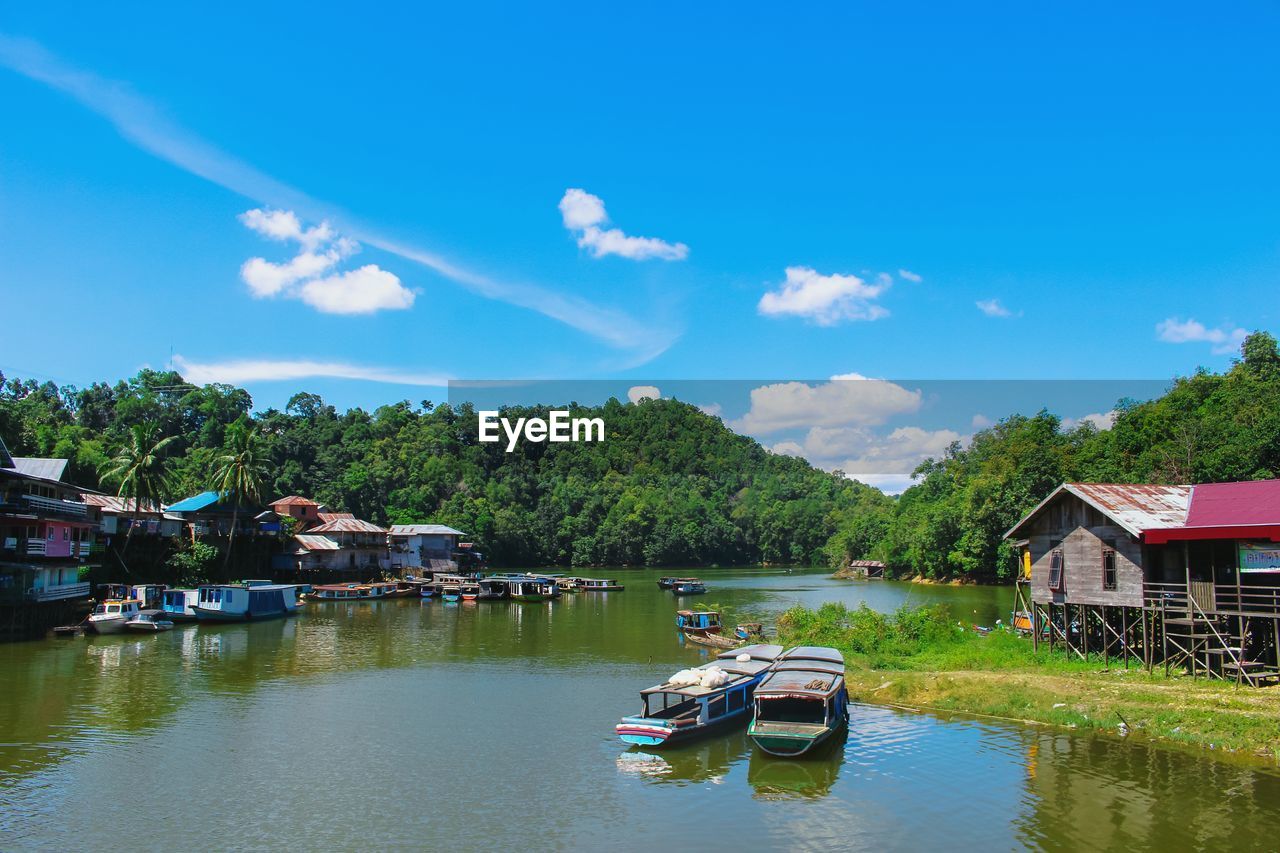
141, 469
240, 472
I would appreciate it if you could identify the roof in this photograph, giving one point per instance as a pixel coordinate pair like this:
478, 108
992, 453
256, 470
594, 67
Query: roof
332, 516
866, 564
45, 469
195, 503
310, 542
424, 530
117, 504
1134, 507
1233, 504
347, 525
293, 500
800, 682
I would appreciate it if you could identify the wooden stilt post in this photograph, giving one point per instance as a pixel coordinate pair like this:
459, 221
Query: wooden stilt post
1106, 641
1084, 630
1124, 633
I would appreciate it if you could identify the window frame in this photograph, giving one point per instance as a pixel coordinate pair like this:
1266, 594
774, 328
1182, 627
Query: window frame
1109, 550
1057, 556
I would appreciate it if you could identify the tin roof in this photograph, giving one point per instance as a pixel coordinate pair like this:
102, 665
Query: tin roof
424, 530
116, 505
294, 500
45, 469
195, 503
347, 525
311, 542
1134, 507
334, 516
1235, 504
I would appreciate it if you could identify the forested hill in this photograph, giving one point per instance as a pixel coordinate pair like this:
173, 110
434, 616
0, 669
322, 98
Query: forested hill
670, 485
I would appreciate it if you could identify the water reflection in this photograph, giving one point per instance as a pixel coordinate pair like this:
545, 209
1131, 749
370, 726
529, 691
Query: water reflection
807, 777
706, 760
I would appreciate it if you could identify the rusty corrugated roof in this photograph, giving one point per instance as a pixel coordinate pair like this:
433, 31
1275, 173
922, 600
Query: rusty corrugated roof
294, 500
317, 543
1134, 506
347, 525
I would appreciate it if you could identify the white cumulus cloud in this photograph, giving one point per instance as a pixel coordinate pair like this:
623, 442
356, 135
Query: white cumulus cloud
584, 214
993, 308
636, 393
310, 276
1101, 420
826, 299
1223, 340
845, 401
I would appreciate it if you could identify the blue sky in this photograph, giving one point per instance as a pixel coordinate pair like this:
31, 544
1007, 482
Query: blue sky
826, 191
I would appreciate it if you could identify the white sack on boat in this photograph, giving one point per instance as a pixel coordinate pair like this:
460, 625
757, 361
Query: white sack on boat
685, 678
743, 658
714, 677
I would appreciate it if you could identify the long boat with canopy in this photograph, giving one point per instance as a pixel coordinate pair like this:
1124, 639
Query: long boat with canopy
696, 701
801, 702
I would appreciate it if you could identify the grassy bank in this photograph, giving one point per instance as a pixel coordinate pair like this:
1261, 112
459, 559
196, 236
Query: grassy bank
920, 658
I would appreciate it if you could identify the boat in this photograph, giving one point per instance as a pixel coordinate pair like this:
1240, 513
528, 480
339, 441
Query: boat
450, 591
494, 589
801, 702
598, 585
109, 616
145, 623
747, 630
689, 586
531, 588
176, 604
469, 591
242, 602
669, 582
354, 591
698, 701
698, 622
146, 594
568, 585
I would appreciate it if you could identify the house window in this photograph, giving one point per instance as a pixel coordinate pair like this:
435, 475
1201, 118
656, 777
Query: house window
1055, 571
1109, 568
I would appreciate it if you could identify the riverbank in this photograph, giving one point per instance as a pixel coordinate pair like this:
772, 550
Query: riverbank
920, 659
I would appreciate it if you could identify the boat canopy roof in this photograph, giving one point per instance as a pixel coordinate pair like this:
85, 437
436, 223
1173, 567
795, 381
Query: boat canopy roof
767, 652
738, 672
814, 653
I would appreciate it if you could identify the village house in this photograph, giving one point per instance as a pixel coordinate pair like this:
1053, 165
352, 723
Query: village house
211, 514
119, 514
46, 534
304, 511
427, 546
1180, 575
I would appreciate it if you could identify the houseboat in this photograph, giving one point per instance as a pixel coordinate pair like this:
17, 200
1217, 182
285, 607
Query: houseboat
670, 582
148, 595
246, 601
598, 585
109, 616
688, 586
176, 604
697, 701
353, 592
569, 585
801, 703
531, 588
493, 589
145, 623
470, 591
698, 622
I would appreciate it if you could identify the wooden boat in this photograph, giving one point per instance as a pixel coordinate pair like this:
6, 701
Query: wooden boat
145, 623
715, 641
801, 702
176, 604
531, 589
747, 630
146, 594
470, 591
698, 623
598, 585
494, 589
669, 582
353, 591
569, 585
109, 616
68, 630
688, 586
248, 601
678, 712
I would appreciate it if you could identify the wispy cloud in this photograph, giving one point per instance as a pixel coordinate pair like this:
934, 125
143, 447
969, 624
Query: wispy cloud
584, 214
237, 372
993, 308
138, 121
366, 290
908, 275
1223, 339
826, 299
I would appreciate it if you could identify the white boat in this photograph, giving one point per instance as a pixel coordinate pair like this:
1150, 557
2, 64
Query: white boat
109, 616
235, 602
177, 604
145, 623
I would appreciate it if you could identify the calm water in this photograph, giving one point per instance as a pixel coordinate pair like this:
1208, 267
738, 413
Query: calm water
409, 723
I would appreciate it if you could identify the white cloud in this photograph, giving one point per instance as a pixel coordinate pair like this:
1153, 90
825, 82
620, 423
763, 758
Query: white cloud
825, 299
846, 401
993, 308
138, 121
1224, 340
883, 461
788, 448
237, 372
636, 393
908, 275
981, 421
361, 291
584, 213
713, 409
366, 290
1101, 420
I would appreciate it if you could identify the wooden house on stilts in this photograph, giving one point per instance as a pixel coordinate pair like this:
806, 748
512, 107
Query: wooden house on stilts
1179, 576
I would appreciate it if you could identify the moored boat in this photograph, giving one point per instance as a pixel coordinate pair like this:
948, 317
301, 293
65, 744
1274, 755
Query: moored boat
569, 585
176, 604
598, 585
531, 588
469, 591
145, 623
698, 623
670, 582
688, 586
109, 616
243, 602
354, 591
747, 630
801, 703
494, 588
697, 701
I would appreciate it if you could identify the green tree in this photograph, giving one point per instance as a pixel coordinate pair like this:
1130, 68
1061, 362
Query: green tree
240, 472
141, 471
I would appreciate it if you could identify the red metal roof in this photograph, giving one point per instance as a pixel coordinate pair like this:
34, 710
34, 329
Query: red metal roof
1227, 504
294, 500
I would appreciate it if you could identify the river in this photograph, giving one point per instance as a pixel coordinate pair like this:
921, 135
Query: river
490, 724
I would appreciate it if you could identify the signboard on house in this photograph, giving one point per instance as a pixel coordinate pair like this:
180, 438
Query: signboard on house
1259, 557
